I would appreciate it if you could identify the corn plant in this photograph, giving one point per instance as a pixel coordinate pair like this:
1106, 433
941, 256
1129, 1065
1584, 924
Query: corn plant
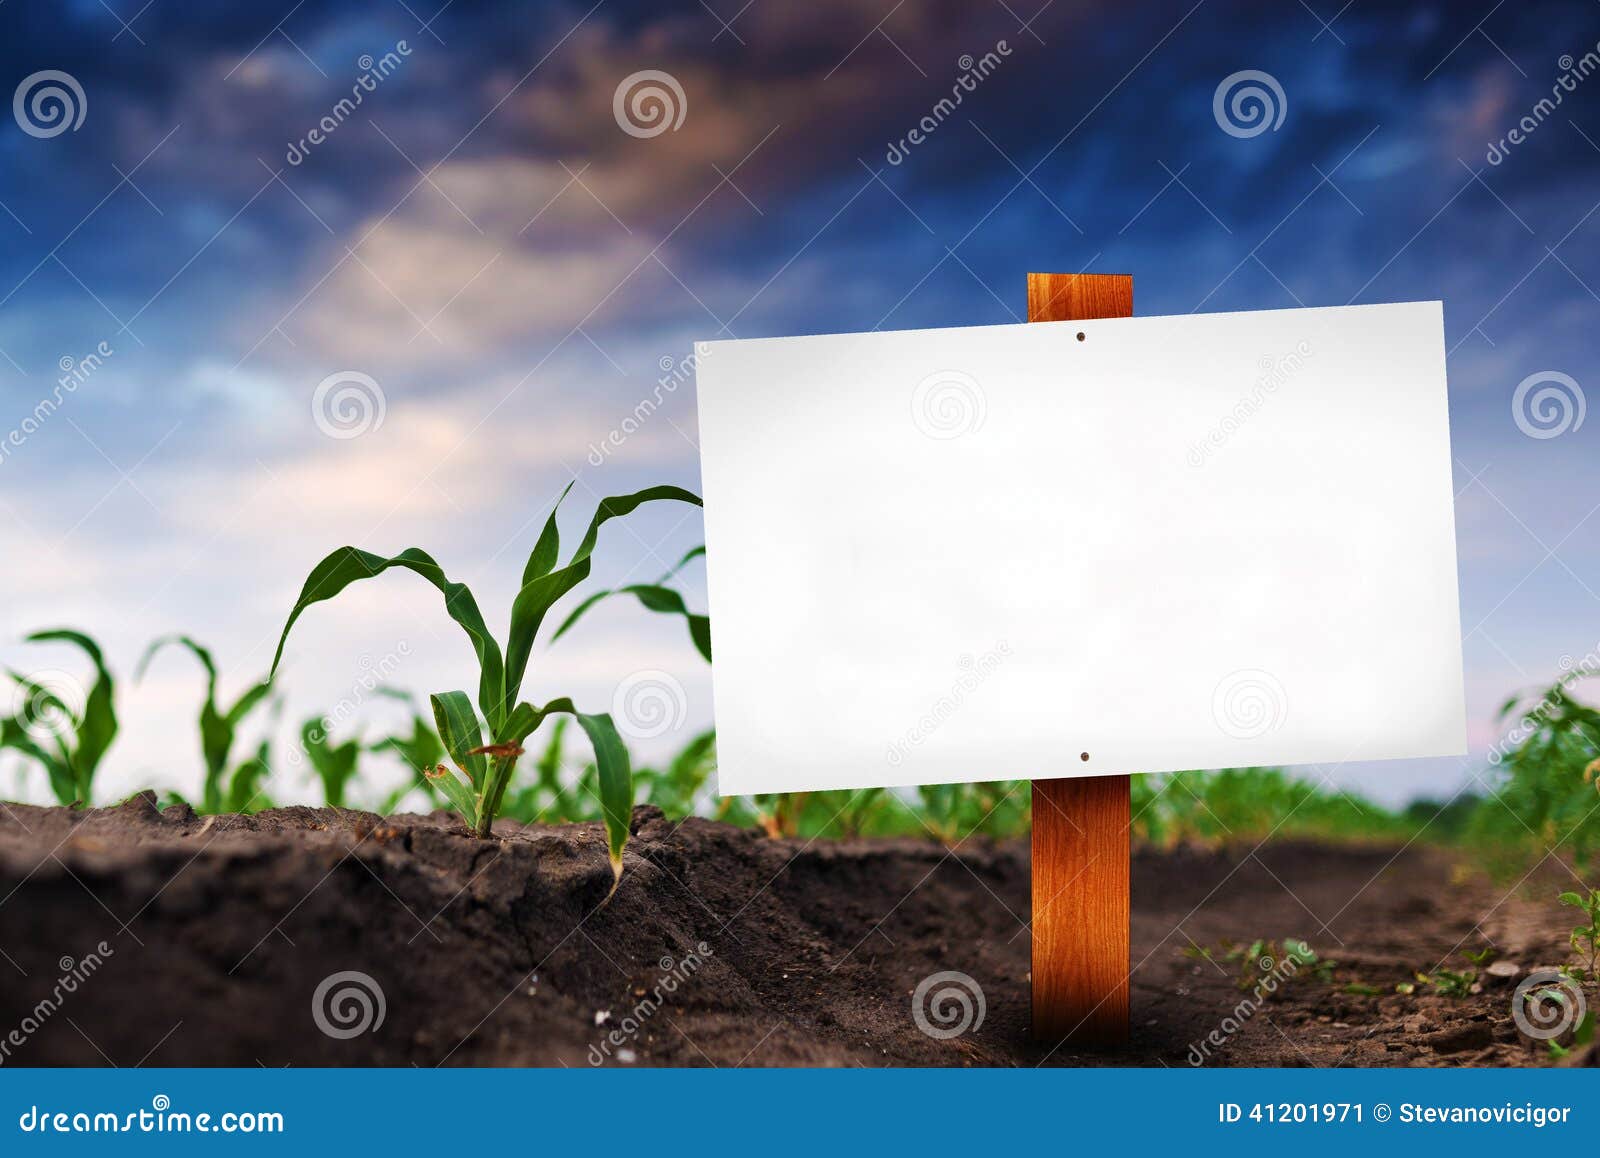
485, 739
1548, 780
67, 742
218, 726
1585, 939
677, 788
421, 752
335, 764
246, 792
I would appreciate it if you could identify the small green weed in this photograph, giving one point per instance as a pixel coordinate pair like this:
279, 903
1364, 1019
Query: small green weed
1585, 939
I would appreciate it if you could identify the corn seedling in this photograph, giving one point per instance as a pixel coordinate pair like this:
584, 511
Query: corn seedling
1449, 982
245, 792
335, 764
218, 726
1585, 939
67, 741
484, 741
421, 752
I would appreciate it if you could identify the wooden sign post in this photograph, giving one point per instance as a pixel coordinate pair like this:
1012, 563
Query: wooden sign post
1080, 825
874, 504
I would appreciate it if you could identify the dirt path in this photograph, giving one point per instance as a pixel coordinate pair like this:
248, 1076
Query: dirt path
721, 947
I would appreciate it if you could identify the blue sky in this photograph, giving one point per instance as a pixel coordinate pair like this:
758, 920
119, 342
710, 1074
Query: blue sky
482, 240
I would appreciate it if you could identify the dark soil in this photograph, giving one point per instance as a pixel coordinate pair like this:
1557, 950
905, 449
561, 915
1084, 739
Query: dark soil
765, 952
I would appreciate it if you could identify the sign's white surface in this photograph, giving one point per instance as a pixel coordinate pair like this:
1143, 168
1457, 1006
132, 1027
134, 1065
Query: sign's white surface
1007, 552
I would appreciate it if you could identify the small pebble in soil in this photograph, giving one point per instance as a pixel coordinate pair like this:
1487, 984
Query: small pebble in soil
601, 1016
627, 1056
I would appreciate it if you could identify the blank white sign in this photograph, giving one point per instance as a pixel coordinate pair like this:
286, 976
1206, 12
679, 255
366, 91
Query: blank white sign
1080, 548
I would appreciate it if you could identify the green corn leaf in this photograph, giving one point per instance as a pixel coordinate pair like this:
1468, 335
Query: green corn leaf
457, 791
459, 730
14, 735
243, 706
98, 725
347, 565
663, 600
244, 789
690, 556
538, 595
335, 764
612, 766
216, 728
548, 549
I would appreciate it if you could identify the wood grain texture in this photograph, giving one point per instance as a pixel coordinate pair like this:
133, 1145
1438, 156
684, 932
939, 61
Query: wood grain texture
1080, 826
